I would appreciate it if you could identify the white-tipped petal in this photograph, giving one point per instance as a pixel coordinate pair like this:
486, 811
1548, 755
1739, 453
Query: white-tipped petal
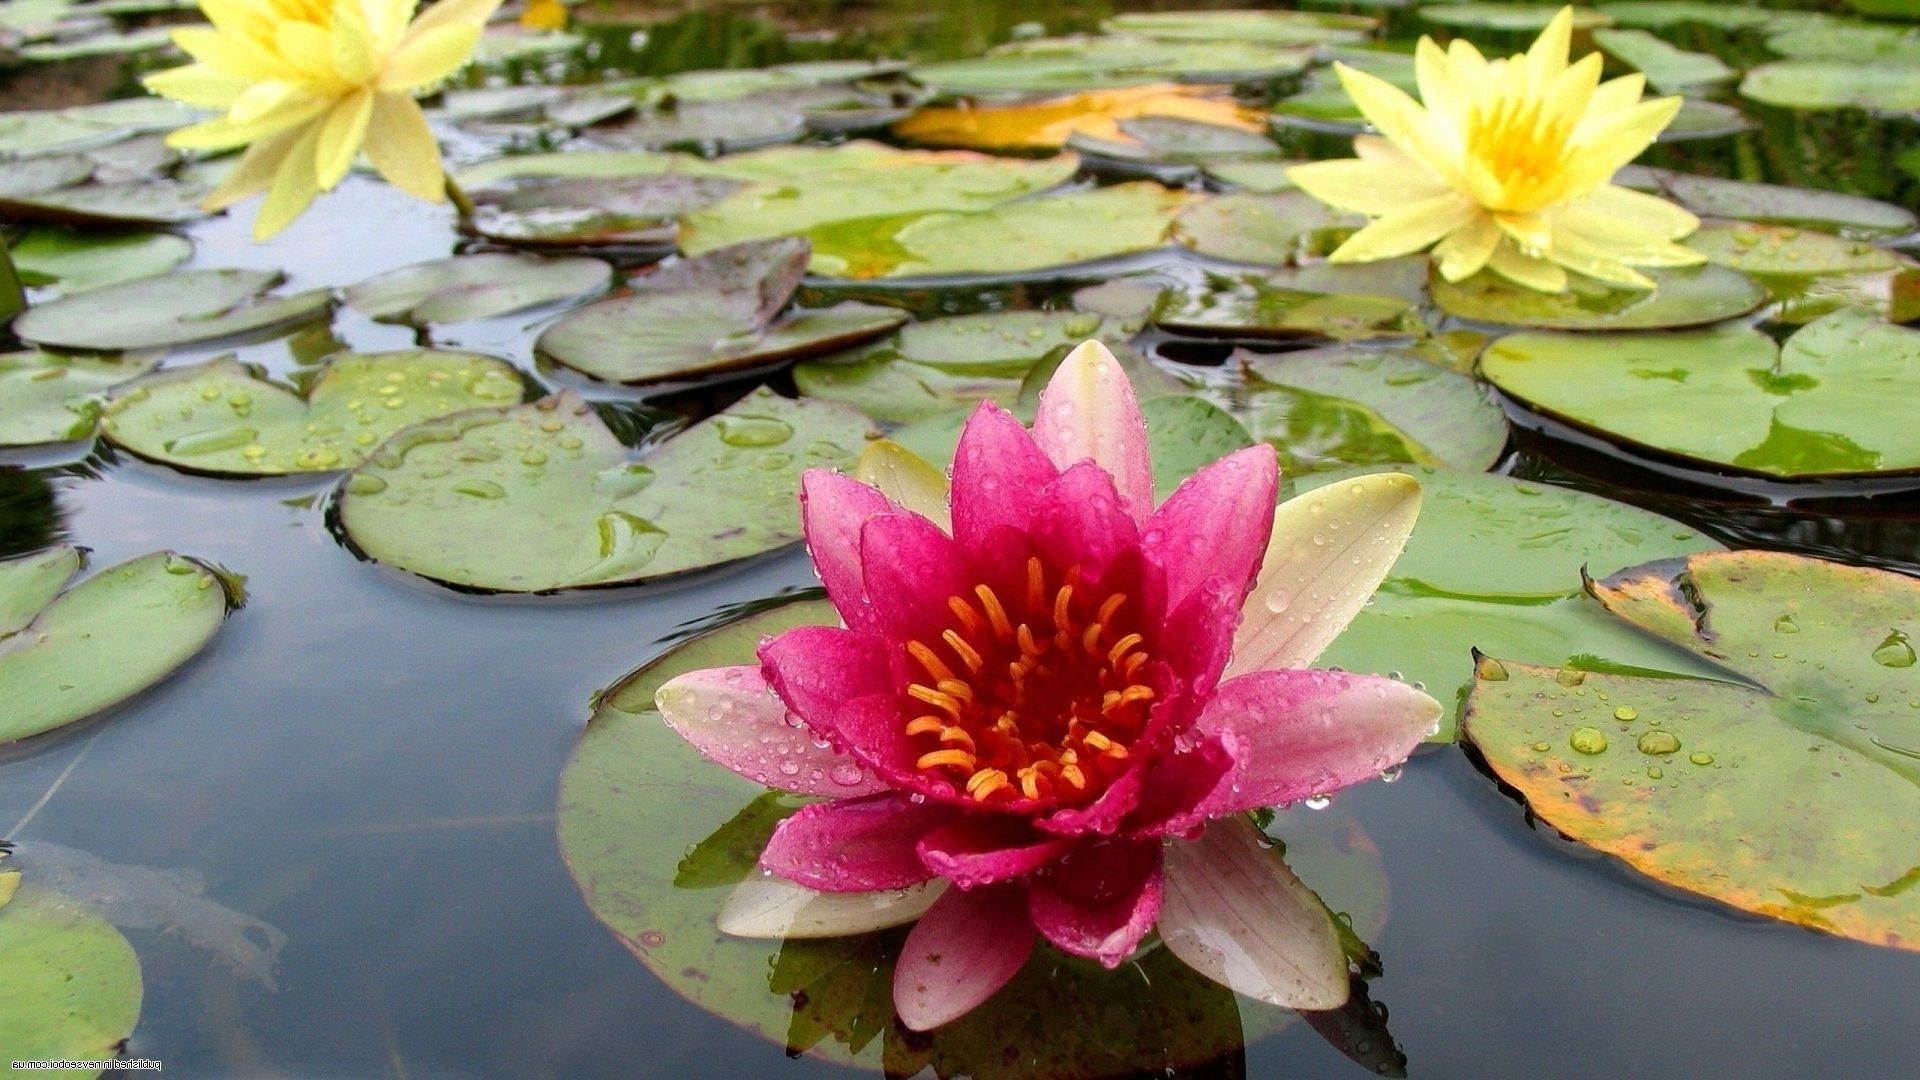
770, 907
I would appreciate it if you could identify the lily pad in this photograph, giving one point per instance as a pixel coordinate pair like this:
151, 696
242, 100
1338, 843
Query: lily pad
1253, 306
1661, 14
707, 315
1530, 18
1879, 86
1271, 230
1261, 177
1058, 65
1261, 27
69, 982
1694, 296
50, 398
1857, 43
633, 211
1787, 787
126, 204
709, 127
1047, 123
1778, 250
1815, 407
192, 305
475, 287
542, 497
224, 418
1495, 564
1849, 216
1173, 141
1669, 69
932, 367
76, 262
102, 641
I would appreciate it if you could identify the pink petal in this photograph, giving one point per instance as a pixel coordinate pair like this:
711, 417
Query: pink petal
818, 669
1216, 524
997, 468
833, 510
1196, 641
1101, 902
873, 731
1308, 592
912, 568
733, 718
961, 952
1079, 520
1102, 816
1088, 412
979, 849
854, 845
1177, 782
1300, 733
1237, 915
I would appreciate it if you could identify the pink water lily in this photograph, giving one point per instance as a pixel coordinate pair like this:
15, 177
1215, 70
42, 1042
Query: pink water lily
1051, 700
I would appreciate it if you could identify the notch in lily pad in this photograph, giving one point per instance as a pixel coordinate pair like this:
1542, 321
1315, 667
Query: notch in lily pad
175, 309
543, 497
712, 314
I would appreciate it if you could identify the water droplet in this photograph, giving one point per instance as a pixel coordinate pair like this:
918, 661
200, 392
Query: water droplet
365, 484
1492, 671
1785, 625
1894, 652
1588, 740
1317, 802
1658, 742
753, 430
1700, 757
211, 442
1570, 677
630, 540
317, 457
1388, 776
1278, 599
481, 489
846, 774
1542, 747
1626, 712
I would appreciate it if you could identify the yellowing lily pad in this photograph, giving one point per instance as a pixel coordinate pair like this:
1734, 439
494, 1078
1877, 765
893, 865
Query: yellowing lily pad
1789, 786
475, 287
1726, 399
1694, 296
67, 657
1048, 124
1494, 564
51, 398
69, 982
706, 315
542, 497
192, 305
225, 418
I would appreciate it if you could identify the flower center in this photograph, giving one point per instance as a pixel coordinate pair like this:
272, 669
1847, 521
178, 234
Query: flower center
1038, 698
1521, 146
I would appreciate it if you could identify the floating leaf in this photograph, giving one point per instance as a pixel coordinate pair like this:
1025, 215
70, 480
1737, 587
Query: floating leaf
1661, 14
1047, 124
1494, 564
636, 211
1669, 70
542, 497
709, 127
192, 305
102, 641
69, 982
1849, 216
1057, 65
1835, 84
1261, 27
931, 367
224, 418
127, 204
1273, 230
1690, 297
1856, 43
1513, 17
1253, 306
50, 398
1786, 250
1815, 407
708, 315
1262, 177
76, 262
475, 287
1169, 141
1789, 786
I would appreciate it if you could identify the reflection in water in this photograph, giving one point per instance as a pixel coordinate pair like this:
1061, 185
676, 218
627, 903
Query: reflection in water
29, 518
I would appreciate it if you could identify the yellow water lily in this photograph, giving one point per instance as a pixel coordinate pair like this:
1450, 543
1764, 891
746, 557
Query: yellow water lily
1506, 167
305, 85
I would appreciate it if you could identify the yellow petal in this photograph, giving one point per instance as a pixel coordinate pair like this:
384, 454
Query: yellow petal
264, 101
198, 85
1365, 187
294, 186
1410, 229
1400, 120
222, 133
1468, 65
254, 171
402, 147
1465, 250
341, 134
1548, 56
1442, 90
222, 53
1608, 205
1615, 94
1531, 232
352, 45
424, 60
1536, 274
472, 13
304, 46
1595, 261
1619, 137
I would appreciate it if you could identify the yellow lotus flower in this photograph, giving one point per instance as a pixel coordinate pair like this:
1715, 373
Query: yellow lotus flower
306, 84
1506, 167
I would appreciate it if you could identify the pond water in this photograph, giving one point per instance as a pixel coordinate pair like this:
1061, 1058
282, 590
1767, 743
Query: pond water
369, 763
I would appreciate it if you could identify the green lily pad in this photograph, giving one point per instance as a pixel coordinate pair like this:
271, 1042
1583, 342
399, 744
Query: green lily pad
475, 287
1335, 407
69, 982
1669, 69
803, 192
1694, 296
1173, 141
227, 419
31, 176
107, 44
1785, 250
192, 305
51, 131
1495, 564
1702, 119
76, 262
1788, 787
1055, 65
1260, 177
1880, 86
1272, 230
542, 497
708, 126
1856, 43
708, 315
126, 204
1253, 306
931, 367
102, 641
656, 836
1530, 18
1849, 216
629, 211
1661, 14
1815, 407
1260, 27
50, 398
